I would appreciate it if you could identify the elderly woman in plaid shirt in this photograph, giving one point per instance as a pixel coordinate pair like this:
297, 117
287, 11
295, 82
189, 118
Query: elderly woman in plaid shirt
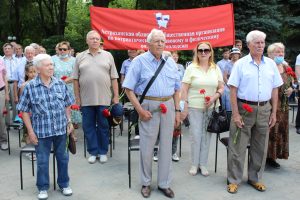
48, 100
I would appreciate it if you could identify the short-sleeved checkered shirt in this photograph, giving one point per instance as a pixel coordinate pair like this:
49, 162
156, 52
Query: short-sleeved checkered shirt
47, 105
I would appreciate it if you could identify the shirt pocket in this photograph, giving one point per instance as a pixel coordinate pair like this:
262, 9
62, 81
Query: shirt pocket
38, 106
170, 80
59, 100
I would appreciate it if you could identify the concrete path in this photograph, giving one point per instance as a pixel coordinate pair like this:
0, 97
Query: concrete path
110, 180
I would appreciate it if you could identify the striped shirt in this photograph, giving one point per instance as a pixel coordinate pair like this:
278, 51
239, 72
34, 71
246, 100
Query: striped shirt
47, 105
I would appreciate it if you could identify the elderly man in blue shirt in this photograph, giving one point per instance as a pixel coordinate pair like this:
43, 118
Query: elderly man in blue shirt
254, 80
45, 103
165, 89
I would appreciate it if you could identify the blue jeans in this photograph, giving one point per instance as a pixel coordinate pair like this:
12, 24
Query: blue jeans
96, 129
43, 150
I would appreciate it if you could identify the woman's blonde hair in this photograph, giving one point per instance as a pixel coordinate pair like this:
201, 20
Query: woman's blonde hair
211, 62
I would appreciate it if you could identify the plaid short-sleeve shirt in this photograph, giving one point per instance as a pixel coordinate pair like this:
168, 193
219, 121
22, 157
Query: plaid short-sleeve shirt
47, 106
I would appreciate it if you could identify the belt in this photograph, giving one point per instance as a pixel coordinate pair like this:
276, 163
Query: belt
255, 103
10, 82
158, 98
2, 88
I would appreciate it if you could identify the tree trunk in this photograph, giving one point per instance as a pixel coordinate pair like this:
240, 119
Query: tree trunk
101, 3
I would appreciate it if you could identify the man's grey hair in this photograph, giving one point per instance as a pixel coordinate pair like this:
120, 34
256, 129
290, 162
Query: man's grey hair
154, 32
35, 45
28, 48
91, 32
38, 59
252, 35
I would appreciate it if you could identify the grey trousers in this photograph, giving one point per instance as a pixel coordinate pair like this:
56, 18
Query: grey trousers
255, 132
163, 124
10, 118
200, 138
3, 135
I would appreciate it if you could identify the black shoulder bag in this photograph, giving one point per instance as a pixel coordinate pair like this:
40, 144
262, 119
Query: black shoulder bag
134, 116
218, 121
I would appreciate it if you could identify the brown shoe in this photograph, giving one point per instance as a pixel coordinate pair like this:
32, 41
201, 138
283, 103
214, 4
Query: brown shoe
146, 191
167, 192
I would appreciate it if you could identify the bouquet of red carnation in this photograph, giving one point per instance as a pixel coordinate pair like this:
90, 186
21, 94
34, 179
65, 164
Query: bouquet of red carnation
288, 80
248, 109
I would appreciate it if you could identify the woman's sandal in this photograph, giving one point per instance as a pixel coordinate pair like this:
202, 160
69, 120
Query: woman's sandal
232, 188
258, 186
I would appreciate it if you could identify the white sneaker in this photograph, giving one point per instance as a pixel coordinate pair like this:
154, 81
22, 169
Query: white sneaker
4, 146
92, 159
137, 137
204, 171
193, 171
67, 191
103, 158
43, 194
175, 158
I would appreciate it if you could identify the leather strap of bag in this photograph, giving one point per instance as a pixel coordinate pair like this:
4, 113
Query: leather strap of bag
152, 79
220, 107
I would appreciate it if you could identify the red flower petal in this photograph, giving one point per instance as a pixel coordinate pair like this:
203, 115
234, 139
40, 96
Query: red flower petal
202, 91
106, 112
75, 107
63, 78
163, 108
20, 115
247, 108
207, 98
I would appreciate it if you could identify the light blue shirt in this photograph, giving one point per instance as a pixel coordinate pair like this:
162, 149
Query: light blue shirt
125, 66
19, 74
222, 64
11, 66
142, 69
228, 68
180, 70
298, 60
255, 82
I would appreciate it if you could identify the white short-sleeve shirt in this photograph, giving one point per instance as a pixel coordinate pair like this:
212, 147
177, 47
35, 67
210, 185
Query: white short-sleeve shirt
255, 82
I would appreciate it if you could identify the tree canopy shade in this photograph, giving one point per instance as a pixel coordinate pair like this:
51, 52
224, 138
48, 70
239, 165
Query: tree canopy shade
47, 21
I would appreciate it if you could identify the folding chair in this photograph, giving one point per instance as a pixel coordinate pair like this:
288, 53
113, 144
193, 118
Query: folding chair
31, 149
19, 127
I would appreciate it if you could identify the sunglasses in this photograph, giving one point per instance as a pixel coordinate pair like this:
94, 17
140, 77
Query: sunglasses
62, 49
205, 51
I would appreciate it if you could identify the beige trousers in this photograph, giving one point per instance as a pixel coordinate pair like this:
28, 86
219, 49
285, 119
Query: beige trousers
255, 132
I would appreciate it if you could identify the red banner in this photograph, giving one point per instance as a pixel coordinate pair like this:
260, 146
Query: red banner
128, 29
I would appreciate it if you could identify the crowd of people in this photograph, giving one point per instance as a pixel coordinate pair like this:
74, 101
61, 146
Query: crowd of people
254, 90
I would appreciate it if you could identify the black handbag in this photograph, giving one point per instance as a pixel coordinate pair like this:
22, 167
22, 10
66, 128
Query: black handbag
133, 115
218, 121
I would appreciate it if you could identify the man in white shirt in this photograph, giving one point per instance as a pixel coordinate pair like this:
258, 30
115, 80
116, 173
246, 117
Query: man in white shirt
254, 83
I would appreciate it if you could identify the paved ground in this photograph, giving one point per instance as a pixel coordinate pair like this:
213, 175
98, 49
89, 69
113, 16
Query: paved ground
110, 180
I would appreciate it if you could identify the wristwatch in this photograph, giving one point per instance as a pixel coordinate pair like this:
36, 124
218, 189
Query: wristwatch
177, 110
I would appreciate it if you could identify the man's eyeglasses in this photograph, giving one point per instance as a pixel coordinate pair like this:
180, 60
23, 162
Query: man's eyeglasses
62, 49
206, 51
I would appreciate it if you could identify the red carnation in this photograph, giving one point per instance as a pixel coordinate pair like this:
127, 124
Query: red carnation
75, 107
289, 69
20, 115
163, 108
106, 112
247, 108
202, 91
207, 98
63, 78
